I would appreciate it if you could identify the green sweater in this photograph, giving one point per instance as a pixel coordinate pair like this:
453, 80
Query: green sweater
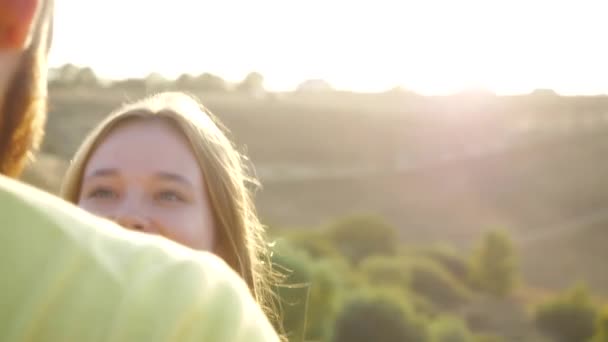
69, 276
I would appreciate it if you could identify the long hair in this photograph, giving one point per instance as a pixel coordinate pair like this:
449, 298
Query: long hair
23, 111
240, 234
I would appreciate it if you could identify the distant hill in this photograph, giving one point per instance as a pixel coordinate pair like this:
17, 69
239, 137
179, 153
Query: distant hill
440, 168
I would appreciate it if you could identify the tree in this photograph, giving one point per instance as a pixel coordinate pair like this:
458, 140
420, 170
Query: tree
67, 73
253, 83
130, 84
380, 317
544, 93
359, 237
324, 298
493, 267
570, 317
308, 295
86, 78
391, 273
450, 329
185, 81
292, 293
210, 82
385, 271
436, 284
601, 327
70, 75
155, 81
449, 259
312, 242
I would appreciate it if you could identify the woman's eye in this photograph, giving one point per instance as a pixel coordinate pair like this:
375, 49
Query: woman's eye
170, 196
102, 193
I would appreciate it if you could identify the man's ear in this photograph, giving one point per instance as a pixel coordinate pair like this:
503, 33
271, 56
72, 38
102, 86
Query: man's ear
16, 23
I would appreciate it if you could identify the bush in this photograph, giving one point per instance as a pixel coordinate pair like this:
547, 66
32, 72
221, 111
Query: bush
434, 283
450, 260
379, 317
450, 329
493, 267
359, 237
570, 317
324, 298
349, 278
310, 292
253, 82
391, 274
601, 326
488, 338
313, 242
385, 271
293, 292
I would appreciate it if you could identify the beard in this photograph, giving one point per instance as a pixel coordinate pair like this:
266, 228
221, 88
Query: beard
22, 115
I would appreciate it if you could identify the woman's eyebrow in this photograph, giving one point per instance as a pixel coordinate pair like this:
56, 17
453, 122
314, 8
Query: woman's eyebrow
173, 177
103, 173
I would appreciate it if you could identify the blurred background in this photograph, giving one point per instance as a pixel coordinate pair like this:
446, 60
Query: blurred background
431, 170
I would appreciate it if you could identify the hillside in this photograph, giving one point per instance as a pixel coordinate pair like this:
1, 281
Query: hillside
441, 169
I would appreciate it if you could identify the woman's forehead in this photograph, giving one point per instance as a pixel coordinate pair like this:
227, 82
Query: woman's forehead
145, 146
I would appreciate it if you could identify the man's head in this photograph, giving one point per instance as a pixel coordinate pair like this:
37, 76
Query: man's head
25, 37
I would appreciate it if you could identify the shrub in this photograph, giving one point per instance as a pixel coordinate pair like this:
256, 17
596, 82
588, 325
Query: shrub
570, 317
380, 317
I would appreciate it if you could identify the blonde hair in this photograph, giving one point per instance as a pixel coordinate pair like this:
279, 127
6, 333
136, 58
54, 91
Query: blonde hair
240, 234
23, 111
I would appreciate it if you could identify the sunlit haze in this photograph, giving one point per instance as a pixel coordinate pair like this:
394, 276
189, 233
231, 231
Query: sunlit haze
431, 47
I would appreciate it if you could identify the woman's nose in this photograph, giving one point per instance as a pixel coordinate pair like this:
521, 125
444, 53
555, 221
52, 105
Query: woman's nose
134, 222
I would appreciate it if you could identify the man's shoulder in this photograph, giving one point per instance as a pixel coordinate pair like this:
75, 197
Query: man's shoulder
15, 190
18, 199
139, 277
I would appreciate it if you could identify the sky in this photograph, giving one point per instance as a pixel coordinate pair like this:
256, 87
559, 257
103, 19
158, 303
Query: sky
427, 46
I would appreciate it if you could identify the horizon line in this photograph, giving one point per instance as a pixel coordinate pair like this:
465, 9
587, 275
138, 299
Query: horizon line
473, 90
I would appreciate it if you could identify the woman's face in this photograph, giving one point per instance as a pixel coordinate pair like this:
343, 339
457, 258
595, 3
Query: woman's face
145, 177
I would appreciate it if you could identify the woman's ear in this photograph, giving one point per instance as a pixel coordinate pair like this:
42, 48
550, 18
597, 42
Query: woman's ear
16, 23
